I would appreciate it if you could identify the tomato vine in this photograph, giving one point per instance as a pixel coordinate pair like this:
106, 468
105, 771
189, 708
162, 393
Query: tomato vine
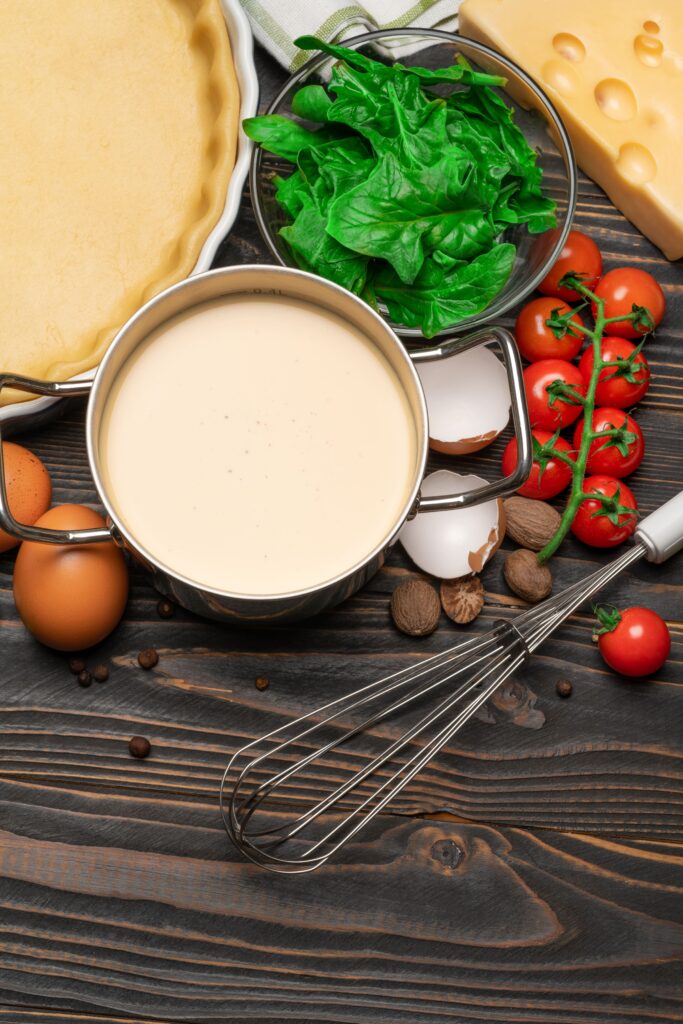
610, 504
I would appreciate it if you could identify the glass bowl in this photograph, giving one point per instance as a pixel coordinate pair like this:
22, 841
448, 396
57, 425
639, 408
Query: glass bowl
534, 113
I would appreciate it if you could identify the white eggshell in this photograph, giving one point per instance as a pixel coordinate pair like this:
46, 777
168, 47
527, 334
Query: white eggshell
468, 400
456, 542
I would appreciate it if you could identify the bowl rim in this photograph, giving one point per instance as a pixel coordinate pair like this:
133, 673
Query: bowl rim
354, 42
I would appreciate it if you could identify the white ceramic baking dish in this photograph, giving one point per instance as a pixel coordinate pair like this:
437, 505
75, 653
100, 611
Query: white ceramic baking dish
21, 416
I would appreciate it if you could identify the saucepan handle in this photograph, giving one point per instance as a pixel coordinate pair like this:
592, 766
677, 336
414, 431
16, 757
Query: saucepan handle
7, 520
520, 418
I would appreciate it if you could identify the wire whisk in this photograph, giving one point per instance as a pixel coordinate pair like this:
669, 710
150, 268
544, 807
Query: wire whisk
296, 795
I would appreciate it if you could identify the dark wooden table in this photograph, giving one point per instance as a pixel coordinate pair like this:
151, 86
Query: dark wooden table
548, 892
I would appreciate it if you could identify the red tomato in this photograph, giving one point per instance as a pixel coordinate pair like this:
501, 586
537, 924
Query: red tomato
622, 289
636, 642
613, 456
537, 379
614, 386
536, 340
548, 475
580, 254
602, 527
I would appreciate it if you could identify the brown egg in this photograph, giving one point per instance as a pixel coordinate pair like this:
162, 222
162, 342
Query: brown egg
70, 596
29, 489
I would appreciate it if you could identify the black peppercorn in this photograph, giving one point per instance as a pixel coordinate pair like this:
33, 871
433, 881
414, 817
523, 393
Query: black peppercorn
165, 609
148, 658
84, 678
262, 683
563, 688
139, 747
100, 673
76, 665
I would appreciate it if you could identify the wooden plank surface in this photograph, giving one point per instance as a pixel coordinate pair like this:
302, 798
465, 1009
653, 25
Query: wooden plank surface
550, 897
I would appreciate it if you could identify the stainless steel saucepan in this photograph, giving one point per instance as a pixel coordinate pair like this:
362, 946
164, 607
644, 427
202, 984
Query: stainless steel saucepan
290, 283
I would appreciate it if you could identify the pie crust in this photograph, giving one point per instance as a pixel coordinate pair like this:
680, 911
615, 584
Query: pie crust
118, 131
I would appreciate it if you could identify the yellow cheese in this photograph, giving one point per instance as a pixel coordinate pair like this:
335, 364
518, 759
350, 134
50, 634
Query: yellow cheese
614, 70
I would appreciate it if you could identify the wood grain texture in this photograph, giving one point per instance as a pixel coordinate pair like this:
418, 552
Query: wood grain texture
552, 897
426, 921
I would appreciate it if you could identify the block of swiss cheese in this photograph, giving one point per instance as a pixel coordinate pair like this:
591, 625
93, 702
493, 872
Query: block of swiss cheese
614, 70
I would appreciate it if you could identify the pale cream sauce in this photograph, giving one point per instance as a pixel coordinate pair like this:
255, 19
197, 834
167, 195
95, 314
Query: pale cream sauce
258, 445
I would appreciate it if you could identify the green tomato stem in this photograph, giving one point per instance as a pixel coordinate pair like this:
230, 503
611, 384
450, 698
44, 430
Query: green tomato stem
564, 457
580, 327
577, 495
597, 435
618, 319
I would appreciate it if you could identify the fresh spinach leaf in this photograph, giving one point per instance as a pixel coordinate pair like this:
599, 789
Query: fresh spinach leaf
401, 120
338, 167
360, 106
446, 291
311, 103
291, 192
283, 137
358, 60
530, 207
402, 195
459, 72
317, 251
494, 119
419, 127
399, 214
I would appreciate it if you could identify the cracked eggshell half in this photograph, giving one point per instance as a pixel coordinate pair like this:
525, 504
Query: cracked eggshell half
468, 400
456, 542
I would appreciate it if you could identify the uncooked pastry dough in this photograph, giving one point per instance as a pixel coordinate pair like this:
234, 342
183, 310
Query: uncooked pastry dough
118, 129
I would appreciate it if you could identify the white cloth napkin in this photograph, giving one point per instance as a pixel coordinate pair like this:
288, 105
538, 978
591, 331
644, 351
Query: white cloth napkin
277, 23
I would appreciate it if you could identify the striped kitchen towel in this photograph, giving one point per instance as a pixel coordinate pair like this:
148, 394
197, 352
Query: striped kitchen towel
277, 23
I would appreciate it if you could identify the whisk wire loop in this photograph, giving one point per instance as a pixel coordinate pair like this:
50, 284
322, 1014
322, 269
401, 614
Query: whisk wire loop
297, 842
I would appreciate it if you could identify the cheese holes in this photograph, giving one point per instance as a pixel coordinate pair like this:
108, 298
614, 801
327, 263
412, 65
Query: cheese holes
569, 46
636, 163
648, 50
560, 75
615, 99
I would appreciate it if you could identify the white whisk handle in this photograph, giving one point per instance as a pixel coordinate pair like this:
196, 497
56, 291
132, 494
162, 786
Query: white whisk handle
662, 532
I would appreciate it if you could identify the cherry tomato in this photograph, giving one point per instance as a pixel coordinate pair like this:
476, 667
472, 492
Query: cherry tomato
601, 527
580, 254
636, 642
548, 475
613, 456
616, 387
536, 340
622, 289
537, 379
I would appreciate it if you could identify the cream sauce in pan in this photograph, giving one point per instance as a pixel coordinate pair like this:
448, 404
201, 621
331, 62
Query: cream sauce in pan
258, 444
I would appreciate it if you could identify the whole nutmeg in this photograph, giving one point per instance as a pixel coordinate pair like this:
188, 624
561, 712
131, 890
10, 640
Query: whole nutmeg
462, 599
415, 607
530, 523
526, 577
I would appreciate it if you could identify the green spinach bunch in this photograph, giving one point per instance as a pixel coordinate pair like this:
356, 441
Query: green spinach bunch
402, 195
